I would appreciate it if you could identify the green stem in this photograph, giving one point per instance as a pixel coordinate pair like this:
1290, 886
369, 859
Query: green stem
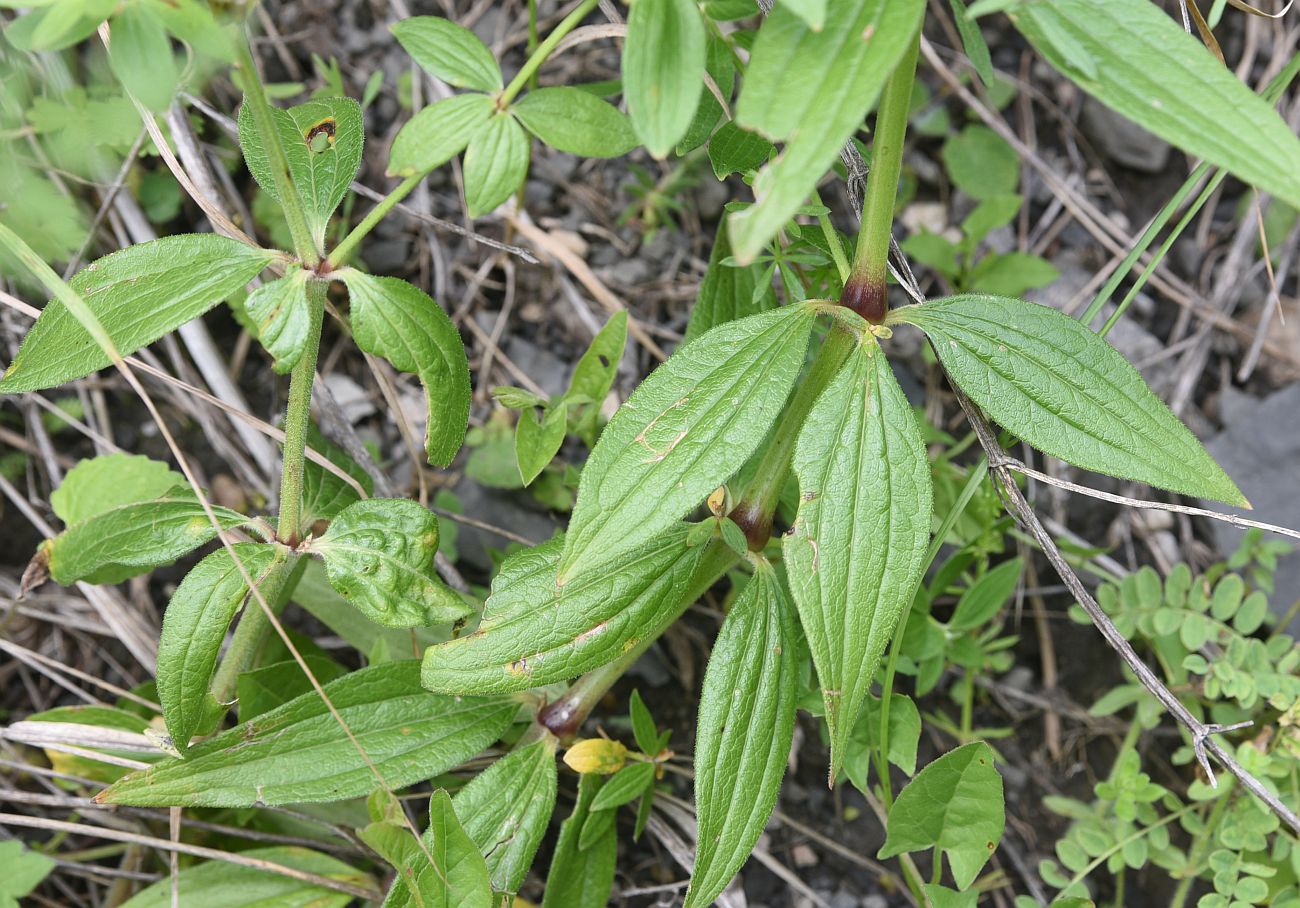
297, 418
340, 254
1197, 855
290, 201
867, 290
538, 57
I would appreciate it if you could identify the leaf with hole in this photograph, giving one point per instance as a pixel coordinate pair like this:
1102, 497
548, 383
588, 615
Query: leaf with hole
496, 162
595, 373
576, 121
282, 314
438, 133
663, 69
449, 51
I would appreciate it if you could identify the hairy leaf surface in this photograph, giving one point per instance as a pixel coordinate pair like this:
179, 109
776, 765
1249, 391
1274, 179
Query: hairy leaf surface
457, 877
663, 68
282, 314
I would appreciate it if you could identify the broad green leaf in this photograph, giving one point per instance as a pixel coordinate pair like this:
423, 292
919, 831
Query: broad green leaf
812, 90
720, 65
663, 68
1011, 274
140, 55
534, 632
1139, 62
986, 596
904, 734
193, 22
438, 133
745, 726
217, 884
729, 291
194, 628
735, 150
688, 427
99, 484
323, 493
457, 876
812, 12
856, 551
24, 870
58, 25
449, 51
378, 554
138, 294
323, 140
981, 163
401, 323
581, 878
943, 897
538, 439
133, 538
625, 786
282, 315
263, 689
507, 808
576, 121
1048, 379
496, 163
954, 804
972, 40
298, 753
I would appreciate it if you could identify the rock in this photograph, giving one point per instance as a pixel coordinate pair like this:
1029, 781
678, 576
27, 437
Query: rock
875, 901
629, 272
549, 371
803, 856
353, 400
844, 899
710, 197
932, 217
1122, 140
499, 508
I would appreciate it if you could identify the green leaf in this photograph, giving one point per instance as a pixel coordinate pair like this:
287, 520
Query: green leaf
972, 40
812, 89
457, 877
496, 163
663, 68
745, 726
323, 493
904, 734
856, 552
986, 596
729, 291
735, 150
538, 440
282, 315
141, 56
954, 804
981, 163
133, 538
438, 133
595, 373
401, 323
217, 884
323, 140
102, 483
625, 786
534, 632
506, 810
576, 121
1012, 274
643, 725
943, 897
1048, 379
720, 66
581, 878
263, 689
1140, 63
194, 628
298, 753
449, 51
378, 554
138, 294
688, 427
812, 12
24, 869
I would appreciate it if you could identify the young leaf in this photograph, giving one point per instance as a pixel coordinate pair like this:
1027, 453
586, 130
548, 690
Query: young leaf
100, 484
194, 627
378, 554
855, 553
323, 493
298, 753
943, 897
954, 804
734, 150
972, 40
581, 878
625, 786
282, 314
595, 373
496, 163
457, 877
141, 56
576, 121
643, 724
401, 323
323, 140
812, 89
729, 291
449, 51
534, 632
138, 294
506, 809
663, 68
537, 441
720, 66
904, 734
24, 870
1064, 390
438, 133
745, 727
986, 596
688, 427
1137, 61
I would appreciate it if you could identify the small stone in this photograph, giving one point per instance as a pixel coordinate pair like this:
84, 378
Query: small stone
931, 217
874, 900
844, 899
352, 399
1122, 140
803, 856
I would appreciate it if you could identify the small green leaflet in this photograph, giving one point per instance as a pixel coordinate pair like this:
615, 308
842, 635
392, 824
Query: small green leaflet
856, 552
663, 68
323, 493
1135, 59
506, 810
943, 897
744, 730
24, 870
323, 140
729, 291
595, 373
624, 787
282, 314
401, 323
734, 150
576, 121
972, 40
194, 628
138, 294
378, 554
140, 55
954, 804
298, 753
99, 484
449, 51
1064, 390
812, 89
538, 439
720, 66
581, 877
986, 597
534, 632
457, 877
904, 734
496, 163
438, 133
217, 884
688, 427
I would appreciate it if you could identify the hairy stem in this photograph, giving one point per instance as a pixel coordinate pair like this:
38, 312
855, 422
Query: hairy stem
297, 418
